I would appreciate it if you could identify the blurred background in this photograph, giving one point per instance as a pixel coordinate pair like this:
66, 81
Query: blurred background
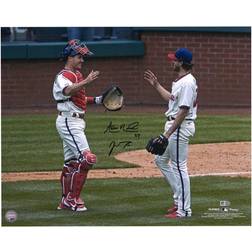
221, 57
57, 34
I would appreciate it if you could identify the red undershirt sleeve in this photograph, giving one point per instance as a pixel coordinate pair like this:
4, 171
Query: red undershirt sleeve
90, 99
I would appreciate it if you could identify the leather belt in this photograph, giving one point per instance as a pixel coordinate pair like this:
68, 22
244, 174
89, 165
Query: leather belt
171, 118
62, 101
72, 114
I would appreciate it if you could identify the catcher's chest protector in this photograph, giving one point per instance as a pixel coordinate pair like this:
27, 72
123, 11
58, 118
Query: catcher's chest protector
79, 98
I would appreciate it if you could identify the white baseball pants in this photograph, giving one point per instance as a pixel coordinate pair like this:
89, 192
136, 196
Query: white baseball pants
71, 131
173, 165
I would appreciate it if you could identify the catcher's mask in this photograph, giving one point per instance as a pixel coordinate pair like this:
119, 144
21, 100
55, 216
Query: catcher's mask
75, 47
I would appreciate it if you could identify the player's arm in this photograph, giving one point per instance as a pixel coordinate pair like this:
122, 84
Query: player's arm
94, 99
183, 111
152, 79
73, 89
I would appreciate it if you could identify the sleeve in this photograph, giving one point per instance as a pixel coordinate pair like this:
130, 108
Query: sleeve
61, 83
186, 96
90, 100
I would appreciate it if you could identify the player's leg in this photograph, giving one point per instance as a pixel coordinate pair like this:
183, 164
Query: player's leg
75, 140
179, 154
68, 154
66, 174
163, 163
78, 179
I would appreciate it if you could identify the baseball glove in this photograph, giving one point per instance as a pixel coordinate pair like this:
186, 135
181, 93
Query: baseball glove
112, 99
157, 145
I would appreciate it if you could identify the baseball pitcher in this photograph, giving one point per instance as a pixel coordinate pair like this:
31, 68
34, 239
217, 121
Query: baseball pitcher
171, 147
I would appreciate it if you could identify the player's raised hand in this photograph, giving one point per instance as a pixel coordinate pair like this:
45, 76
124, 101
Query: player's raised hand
151, 78
93, 75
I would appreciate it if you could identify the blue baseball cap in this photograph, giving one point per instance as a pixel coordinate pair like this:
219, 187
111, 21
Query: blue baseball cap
182, 54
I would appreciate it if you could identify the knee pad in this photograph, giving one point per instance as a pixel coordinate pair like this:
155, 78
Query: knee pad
71, 166
90, 157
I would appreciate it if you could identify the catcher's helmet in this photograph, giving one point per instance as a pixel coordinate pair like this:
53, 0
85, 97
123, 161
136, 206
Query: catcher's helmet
75, 47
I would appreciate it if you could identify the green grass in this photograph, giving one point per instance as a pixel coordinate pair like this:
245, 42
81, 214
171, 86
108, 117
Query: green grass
31, 142
125, 202
219, 129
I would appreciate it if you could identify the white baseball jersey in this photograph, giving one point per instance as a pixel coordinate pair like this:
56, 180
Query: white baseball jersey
61, 82
184, 93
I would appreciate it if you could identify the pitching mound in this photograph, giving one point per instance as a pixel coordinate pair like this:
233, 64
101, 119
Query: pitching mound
204, 159
226, 159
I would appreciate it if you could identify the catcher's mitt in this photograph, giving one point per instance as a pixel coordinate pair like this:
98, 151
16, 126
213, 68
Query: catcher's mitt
157, 145
112, 99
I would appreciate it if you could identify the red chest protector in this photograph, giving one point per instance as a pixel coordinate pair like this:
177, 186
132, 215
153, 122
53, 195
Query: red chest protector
79, 99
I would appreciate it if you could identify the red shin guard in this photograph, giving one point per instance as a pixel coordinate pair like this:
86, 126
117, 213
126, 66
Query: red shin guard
73, 177
65, 180
78, 179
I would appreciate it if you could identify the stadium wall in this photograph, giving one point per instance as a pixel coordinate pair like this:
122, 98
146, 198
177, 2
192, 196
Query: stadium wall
222, 66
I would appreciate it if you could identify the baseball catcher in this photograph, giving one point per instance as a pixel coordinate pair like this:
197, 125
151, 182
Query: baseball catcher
112, 99
157, 145
72, 100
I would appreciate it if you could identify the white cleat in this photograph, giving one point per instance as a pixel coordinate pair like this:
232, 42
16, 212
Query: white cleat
80, 208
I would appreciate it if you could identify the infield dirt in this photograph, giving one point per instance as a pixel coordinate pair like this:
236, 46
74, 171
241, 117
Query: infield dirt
225, 159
